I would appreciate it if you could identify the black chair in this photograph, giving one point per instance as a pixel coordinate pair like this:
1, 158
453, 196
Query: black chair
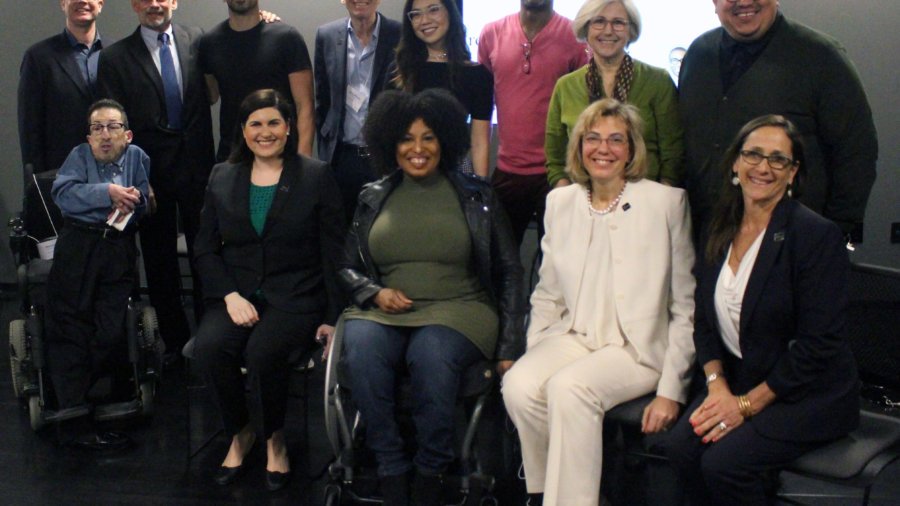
858, 459
302, 362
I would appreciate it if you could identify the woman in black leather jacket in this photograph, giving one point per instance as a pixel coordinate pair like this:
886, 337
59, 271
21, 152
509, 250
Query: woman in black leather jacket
433, 272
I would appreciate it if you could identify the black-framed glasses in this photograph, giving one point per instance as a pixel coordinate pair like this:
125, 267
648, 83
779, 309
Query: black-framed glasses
432, 11
618, 24
526, 64
777, 162
113, 128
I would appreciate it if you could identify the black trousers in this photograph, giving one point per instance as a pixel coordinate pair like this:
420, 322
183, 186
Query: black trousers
523, 198
731, 471
87, 300
223, 347
159, 236
351, 171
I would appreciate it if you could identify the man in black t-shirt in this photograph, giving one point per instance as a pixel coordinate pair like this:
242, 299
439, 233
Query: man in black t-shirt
244, 54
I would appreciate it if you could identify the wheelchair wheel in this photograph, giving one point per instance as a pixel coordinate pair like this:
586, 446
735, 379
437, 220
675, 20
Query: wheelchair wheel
149, 327
17, 353
332, 495
148, 393
36, 413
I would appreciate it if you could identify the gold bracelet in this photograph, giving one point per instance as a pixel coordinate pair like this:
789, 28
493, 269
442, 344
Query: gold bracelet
744, 406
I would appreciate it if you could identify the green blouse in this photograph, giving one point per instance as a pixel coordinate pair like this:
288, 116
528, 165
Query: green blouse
652, 92
421, 244
260, 201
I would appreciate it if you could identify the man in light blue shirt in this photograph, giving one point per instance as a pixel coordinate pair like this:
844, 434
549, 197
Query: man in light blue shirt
102, 182
351, 66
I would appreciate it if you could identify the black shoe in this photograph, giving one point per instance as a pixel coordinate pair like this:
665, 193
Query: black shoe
276, 481
102, 441
228, 475
395, 490
427, 489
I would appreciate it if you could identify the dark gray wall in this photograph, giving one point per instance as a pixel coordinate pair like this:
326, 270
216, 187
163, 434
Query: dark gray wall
868, 29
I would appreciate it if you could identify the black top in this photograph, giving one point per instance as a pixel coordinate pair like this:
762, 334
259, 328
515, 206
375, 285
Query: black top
243, 62
475, 87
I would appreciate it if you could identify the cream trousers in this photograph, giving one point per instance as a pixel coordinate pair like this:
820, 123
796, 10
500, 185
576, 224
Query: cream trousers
556, 395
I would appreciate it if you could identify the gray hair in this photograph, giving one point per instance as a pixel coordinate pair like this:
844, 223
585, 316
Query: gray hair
590, 9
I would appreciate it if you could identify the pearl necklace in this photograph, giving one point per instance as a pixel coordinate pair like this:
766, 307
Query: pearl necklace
608, 209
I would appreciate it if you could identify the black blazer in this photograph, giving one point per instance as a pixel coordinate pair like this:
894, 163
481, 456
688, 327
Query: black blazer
331, 77
180, 160
792, 328
293, 260
53, 103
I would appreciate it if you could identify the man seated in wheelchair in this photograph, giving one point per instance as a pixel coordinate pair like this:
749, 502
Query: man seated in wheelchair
102, 190
433, 271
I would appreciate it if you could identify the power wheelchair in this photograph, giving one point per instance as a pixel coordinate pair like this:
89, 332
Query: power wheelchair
40, 219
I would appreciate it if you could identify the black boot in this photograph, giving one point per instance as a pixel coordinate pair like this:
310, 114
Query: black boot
535, 500
395, 490
427, 489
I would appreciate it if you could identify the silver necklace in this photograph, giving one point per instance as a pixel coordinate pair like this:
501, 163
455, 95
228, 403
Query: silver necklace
612, 205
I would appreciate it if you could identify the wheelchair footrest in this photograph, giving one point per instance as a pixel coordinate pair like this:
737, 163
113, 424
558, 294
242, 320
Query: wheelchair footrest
66, 414
117, 410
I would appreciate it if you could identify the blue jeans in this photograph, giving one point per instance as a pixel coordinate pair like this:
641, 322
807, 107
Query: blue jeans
436, 357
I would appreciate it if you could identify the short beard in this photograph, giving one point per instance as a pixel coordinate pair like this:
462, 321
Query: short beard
538, 8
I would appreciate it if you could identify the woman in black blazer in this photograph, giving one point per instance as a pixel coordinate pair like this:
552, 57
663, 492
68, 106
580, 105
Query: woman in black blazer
771, 308
271, 222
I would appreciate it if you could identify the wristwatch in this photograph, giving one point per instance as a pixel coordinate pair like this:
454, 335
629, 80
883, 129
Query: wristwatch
713, 377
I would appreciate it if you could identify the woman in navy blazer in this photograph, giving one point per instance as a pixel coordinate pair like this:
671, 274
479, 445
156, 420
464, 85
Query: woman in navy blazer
769, 330
271, 223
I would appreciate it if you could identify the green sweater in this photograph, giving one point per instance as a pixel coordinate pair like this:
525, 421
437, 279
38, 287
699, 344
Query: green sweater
652, 92
421, 245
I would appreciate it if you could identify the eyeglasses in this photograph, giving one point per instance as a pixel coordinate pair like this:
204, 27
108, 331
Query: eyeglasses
526, 65
614, 141
433, 11
618, 24
777, 162
113, 128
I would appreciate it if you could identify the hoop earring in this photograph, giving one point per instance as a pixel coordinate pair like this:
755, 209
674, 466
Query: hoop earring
735, 181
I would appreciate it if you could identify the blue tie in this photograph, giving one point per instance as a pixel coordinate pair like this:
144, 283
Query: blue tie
170, 82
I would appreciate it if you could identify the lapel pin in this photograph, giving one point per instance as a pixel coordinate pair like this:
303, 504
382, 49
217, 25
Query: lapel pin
779, 236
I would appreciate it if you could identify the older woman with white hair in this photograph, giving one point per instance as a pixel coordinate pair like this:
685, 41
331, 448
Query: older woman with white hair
611, 314
609, 27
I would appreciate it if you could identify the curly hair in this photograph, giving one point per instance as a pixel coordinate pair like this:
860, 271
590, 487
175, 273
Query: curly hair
729, 210
263, 99
412, 52
392, 113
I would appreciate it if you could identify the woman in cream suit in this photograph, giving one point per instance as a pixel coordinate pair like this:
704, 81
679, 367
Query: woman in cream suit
611, 317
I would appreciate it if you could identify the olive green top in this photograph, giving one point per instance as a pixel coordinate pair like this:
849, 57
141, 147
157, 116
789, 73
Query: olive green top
421, 246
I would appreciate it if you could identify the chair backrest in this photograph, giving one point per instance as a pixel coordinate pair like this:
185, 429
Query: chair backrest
874, 323
40, 221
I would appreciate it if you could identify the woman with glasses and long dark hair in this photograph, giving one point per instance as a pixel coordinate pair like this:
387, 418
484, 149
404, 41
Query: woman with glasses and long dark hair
609, 27
271, 224
433, 54
769, 327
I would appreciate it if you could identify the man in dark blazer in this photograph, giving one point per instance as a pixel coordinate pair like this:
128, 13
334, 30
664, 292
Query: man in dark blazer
351, 66
170, 118
56, 87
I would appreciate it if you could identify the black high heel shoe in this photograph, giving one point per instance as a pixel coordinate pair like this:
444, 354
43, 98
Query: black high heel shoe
276, 481
228, 475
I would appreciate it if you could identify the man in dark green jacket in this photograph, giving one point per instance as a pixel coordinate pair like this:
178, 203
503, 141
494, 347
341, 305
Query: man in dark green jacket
759, 63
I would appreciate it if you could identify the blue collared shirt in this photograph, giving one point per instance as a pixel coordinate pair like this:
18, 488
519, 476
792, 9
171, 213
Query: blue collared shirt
151, 40
81, 188
86, 58
360, 62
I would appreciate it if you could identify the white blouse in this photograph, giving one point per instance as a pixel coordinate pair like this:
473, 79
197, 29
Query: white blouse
596, 306
729, 295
